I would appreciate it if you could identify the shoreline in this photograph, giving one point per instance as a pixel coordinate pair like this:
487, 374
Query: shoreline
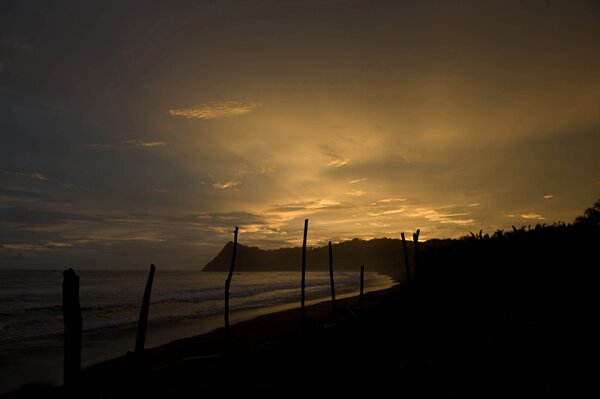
44, 365
252, 340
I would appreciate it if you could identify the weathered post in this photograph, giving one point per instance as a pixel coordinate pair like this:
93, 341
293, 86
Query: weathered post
332, 283
362, 287
406, 265
73, 324
140, 338
302, 292
229, 276
418, 271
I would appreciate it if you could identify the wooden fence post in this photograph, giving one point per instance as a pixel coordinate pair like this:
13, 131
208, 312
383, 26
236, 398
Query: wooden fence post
140, 338
406, 265
229, 276
362, 286
73, 324
302, 292
332, 283
418, 270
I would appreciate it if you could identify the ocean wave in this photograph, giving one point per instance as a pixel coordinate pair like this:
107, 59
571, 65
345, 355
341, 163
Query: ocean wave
173, 298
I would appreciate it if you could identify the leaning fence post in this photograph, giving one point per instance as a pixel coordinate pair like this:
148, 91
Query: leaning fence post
302, 292
406, 265
73, 323
418, 270
229, 276
332, 282
140, 338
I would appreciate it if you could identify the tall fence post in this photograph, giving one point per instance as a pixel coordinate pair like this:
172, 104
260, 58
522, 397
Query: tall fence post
229, 277
418, 271
302, 292
140, 338
362, 287
406, 264
73, 323
332, 283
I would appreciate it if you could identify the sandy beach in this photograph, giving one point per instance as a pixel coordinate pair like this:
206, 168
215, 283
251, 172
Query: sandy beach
391, 344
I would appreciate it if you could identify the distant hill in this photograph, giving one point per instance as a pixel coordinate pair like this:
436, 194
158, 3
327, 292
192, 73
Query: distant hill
382, 255
530, 248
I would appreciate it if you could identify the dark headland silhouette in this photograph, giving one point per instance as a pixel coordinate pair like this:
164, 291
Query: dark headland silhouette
500, 315
382, 255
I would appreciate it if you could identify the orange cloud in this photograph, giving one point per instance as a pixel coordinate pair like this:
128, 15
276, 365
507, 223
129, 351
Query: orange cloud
214, 110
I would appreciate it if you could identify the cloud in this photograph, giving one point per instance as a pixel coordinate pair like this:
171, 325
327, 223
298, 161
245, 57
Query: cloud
132, 144
54, 244
28, 216
335, 159
390, 200
357, 180
548, 196
145, 144
336, 163
440, 216
25, 247
356, 193
380, 224
534, 216
473, 204
304, 205
18, 43
217, 109
226, 184
7, 192
389, 212
32, 175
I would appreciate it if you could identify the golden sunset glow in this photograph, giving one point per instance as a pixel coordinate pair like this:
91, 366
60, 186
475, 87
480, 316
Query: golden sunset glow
153, 140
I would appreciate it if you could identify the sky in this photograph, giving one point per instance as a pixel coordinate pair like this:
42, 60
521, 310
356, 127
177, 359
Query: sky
138, 132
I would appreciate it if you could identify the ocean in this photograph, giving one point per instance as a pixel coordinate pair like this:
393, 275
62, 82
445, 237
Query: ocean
183, 304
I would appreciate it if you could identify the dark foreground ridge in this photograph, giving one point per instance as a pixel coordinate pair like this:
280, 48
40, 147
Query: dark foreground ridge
499, 316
